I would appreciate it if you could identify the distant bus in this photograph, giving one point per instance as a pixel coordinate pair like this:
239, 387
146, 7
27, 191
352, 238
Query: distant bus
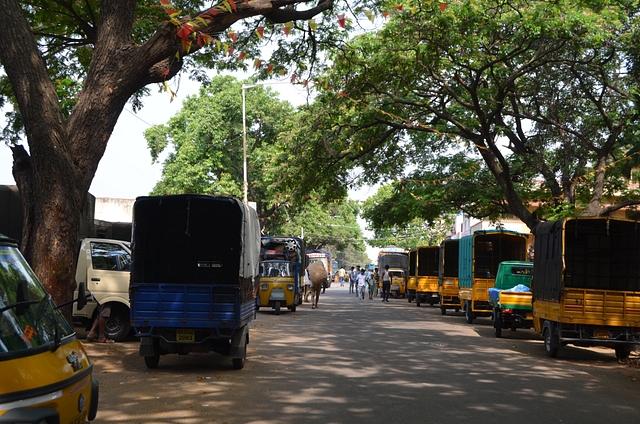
370, 267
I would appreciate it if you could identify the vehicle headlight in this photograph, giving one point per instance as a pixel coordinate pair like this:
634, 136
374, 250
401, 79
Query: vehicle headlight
264, 286
290, 287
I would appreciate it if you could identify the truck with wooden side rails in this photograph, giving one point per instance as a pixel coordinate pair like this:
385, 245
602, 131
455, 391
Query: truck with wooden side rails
586, 283
412, 278
480, 255
428, 258
194, 275
448, 276
398, 261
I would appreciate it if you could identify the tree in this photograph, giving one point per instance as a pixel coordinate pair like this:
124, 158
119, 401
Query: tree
71, 68
528, 90
416, 230
205, 156
205, 144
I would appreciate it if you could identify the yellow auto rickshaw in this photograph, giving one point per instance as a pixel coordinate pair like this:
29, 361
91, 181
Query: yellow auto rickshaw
279, 286
46, 374
398, 282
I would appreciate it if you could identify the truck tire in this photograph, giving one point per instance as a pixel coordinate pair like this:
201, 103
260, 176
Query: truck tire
550, 339
238, 363
152, 361
622, 352
468, 313
118, 326
497, 324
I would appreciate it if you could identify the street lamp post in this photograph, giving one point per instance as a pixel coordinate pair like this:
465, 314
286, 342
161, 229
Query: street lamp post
244, 131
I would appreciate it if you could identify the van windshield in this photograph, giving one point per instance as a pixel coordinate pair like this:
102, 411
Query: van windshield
39, 322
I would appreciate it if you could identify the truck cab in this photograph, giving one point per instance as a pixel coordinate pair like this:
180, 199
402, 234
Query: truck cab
104, 266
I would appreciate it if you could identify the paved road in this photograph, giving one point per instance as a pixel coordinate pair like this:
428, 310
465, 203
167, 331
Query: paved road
364, 361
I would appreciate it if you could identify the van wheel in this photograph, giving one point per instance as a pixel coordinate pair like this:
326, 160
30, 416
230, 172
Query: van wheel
118, 326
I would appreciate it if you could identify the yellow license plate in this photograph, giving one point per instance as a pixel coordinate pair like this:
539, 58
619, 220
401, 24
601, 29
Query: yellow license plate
601, 334
185, 336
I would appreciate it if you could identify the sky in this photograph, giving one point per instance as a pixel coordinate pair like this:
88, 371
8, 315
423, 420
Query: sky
126, 170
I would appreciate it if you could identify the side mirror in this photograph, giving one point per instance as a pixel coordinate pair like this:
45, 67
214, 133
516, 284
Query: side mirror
22, 305
82, 296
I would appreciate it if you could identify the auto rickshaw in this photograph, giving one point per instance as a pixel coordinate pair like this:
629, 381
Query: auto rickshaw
279, 285
398, 282
46, 374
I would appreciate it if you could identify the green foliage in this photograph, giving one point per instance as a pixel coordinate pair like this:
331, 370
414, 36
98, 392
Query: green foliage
530, 89
393, 225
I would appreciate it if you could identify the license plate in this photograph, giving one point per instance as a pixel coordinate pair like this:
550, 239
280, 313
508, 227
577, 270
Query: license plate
601, 334
185, 336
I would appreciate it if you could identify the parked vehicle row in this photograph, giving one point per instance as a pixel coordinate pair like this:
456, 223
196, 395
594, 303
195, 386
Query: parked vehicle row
583, 287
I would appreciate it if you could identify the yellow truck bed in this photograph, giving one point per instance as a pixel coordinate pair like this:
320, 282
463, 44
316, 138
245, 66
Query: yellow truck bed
515, 300
592, 307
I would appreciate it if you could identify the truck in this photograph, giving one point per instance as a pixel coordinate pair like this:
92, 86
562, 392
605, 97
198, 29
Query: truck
325, 257
586, 284
194, 275
448, 275
480, 255
428, 258
398, 261
511, 297
104, 266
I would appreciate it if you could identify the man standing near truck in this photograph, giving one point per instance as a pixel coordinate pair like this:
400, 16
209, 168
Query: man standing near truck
386, 284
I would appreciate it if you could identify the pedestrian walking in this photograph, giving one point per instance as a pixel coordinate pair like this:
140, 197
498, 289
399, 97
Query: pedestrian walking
352, 280
376, 278
362, 284
386, 283
341, 273
354, 276
371, 282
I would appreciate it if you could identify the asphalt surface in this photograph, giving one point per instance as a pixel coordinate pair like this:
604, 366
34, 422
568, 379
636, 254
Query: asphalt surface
365, 361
